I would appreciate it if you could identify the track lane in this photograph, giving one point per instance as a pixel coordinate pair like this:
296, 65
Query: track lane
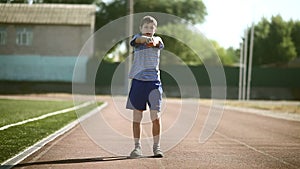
241, 141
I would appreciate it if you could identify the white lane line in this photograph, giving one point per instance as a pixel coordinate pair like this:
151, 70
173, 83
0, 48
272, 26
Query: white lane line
266, 113
32, 149
256, 150
46, 115
70, 126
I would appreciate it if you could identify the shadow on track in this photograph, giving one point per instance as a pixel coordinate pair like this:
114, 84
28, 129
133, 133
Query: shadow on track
82, 160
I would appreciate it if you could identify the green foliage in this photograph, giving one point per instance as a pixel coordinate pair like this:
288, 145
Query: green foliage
178, 44
193, 11
273, 43
280, 35
180, 39
228, 56
109, 12
296, 36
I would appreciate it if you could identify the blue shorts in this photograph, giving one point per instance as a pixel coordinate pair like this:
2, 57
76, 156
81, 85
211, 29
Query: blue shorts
143, 93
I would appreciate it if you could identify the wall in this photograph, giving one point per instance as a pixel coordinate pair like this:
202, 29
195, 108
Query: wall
41, 68
51, 57
267, 83
48, 40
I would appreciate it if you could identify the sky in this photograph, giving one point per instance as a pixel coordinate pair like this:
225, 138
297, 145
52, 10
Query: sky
226, 20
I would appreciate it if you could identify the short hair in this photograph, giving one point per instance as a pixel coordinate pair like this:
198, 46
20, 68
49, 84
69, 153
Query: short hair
148, 19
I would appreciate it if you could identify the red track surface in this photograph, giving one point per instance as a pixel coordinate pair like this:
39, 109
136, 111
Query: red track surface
241, 140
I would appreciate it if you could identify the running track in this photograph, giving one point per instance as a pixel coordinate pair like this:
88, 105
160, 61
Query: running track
242, 140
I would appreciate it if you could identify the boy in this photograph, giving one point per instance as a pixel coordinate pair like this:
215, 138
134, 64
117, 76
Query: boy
146, 87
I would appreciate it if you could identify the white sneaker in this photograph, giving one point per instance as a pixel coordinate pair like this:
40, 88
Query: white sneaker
136, 153
158, 153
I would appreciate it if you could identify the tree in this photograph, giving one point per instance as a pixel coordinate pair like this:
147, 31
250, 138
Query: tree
193, 11
260, 41
296, 36
228, 57
180, 47
191, 43
280, 35
273, 43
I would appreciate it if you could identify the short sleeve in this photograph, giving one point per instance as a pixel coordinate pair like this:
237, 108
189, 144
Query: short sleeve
132, 42
161, 44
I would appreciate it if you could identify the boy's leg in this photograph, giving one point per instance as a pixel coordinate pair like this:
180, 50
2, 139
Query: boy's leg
136, 126
156, 130
155, 100
156, 126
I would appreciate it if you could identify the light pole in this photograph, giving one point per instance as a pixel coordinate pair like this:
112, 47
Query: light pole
250, 62
128, 61
245, 64
241, 70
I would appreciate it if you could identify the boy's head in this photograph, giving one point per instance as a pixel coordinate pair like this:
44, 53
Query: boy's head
148, 25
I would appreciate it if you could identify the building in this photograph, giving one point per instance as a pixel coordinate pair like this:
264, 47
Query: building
41, 42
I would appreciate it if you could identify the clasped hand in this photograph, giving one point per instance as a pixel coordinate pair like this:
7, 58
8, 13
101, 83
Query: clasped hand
152, 41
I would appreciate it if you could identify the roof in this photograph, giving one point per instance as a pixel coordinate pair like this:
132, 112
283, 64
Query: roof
47, 14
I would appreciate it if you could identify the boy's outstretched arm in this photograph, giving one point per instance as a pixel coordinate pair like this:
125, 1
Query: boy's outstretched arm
143, 39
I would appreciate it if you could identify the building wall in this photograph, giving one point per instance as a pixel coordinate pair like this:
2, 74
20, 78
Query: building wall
42, 68
51, 56
48, 40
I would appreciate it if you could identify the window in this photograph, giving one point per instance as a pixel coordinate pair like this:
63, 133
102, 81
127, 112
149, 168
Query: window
3, 35
24, 36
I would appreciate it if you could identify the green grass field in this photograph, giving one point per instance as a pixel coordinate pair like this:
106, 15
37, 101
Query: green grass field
13, 111
15, 139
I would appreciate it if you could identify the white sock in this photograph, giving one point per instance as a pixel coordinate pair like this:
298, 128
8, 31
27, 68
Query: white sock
156, 146
137, 143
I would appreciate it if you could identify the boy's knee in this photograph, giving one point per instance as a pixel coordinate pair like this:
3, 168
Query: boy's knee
137, 116
155, 115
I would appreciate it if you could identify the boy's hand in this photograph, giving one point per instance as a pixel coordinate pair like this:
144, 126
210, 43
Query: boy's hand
152, 41
156, 40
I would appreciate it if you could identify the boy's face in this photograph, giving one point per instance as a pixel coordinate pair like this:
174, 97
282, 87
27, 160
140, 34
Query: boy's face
148, 29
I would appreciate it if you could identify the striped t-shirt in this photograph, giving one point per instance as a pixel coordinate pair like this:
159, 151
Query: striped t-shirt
145, 65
